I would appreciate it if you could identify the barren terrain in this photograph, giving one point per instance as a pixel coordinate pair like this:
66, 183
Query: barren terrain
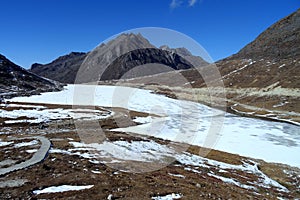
161, 168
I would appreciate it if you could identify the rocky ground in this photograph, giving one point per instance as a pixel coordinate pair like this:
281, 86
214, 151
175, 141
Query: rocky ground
158, 169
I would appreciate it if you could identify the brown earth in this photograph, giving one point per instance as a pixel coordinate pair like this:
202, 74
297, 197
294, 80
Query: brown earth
63, 169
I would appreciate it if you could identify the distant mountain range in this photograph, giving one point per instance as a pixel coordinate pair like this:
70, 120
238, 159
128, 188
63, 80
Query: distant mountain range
278, 44
272, 59
263, 78
101, 63
16, 81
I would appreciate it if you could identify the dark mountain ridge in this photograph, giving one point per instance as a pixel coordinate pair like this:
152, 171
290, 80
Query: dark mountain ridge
16, 81
63, 68
144, 62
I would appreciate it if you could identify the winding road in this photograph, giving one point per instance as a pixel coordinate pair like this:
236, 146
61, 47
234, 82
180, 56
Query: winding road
36, 158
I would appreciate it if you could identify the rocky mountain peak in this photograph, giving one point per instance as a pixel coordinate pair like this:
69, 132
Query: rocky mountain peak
127, 42
90, 67
182, 51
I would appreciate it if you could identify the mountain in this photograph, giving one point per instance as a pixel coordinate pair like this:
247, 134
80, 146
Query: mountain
89, 67
279, 41
14, 80
63, 69
98, 60
143, 62
262, 79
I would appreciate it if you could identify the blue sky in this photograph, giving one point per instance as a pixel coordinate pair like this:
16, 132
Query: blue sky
41, 30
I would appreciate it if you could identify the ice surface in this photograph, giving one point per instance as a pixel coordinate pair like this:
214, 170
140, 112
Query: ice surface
188, 122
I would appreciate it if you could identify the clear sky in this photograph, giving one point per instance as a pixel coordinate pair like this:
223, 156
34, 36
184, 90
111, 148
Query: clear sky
41, 30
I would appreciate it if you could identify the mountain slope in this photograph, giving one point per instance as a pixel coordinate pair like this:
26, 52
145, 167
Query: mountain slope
143, 62
100, 58
280, 41
91, 66
62, 69
14, 80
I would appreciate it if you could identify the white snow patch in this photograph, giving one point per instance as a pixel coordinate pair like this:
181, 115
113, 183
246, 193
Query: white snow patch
143, 120
61, 151
2, 144
192, 170
280, 104
239, 69
25, 144
232, 181
122, 150
96, 172
31, 150
168, 197
38, 116
281, 66
177, 175
62, 188
265, 181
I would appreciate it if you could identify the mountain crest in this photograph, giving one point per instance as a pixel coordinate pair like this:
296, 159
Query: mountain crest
279, 41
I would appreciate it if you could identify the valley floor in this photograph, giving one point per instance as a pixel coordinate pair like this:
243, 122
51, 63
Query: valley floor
127, 165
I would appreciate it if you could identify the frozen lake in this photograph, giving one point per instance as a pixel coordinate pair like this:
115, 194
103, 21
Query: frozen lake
188, 122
